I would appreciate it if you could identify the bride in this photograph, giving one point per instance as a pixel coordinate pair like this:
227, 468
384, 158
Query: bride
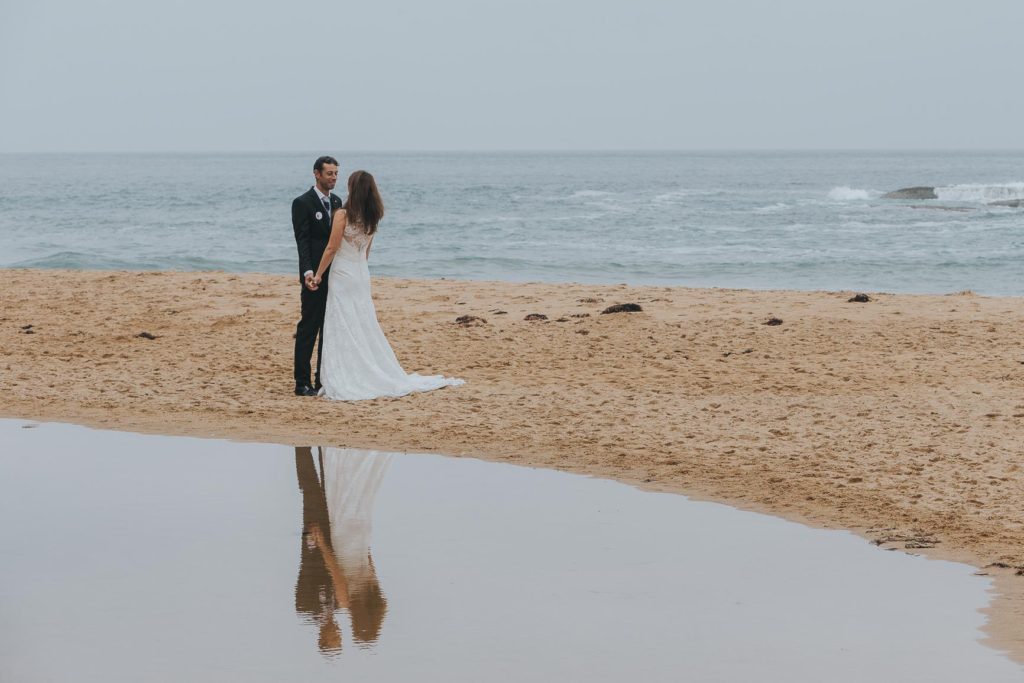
358, 362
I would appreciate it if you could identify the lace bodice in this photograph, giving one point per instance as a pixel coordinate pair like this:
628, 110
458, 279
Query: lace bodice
356, 236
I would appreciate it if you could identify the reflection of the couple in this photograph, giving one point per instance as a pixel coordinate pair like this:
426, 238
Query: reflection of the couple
336, 569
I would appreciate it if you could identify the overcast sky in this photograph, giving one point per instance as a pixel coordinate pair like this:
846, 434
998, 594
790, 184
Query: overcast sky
132, 75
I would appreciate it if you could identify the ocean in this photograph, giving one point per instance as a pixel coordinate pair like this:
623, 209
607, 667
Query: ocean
762, 220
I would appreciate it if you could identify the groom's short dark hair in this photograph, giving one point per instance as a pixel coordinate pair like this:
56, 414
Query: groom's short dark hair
318, 165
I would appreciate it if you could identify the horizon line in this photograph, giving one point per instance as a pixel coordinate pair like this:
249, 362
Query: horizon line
638, 150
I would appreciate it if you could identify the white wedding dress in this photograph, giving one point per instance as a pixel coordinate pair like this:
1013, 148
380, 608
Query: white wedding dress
351, 480
358, 362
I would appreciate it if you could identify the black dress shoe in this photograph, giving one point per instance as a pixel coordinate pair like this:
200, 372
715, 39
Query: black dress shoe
304, 390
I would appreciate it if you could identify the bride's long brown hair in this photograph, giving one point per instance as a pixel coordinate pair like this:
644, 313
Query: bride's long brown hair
364, 205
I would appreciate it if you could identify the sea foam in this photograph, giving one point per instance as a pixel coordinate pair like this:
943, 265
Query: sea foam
845, 194
976, 192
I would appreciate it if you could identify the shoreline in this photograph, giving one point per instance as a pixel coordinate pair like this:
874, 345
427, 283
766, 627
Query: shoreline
569, 282
898, 419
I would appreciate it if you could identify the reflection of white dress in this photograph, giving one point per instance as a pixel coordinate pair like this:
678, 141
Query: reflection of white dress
351, 480
357, 361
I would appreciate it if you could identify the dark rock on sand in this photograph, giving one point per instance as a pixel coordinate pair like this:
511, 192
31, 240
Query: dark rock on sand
536, 316
468, 320
912, 193
146, 335
622, 308
773, 321
859, 299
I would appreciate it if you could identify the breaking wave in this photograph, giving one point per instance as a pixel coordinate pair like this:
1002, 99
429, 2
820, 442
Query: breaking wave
845, 194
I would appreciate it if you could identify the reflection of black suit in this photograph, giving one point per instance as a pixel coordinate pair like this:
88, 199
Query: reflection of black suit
314, 590
311, 236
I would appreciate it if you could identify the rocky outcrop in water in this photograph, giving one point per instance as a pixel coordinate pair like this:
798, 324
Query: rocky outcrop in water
1014, 203
912, 193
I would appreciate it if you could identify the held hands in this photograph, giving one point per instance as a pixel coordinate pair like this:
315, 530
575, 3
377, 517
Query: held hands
318, 535
312, 282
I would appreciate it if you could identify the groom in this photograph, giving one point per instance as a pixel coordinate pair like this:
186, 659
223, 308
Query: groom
311, 221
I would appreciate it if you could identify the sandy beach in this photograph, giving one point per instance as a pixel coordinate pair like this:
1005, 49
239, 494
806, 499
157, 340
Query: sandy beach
900, 418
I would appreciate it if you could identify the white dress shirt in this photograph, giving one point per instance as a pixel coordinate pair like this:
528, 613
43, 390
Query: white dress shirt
322, 197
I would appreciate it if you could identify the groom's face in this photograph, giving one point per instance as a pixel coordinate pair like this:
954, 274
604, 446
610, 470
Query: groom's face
326, 177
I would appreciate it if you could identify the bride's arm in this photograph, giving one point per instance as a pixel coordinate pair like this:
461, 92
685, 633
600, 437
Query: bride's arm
337, 232
333, 568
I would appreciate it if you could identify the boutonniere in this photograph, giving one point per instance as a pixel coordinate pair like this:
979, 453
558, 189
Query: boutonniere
319, 215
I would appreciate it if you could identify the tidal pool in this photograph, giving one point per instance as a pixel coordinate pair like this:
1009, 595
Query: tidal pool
130, 557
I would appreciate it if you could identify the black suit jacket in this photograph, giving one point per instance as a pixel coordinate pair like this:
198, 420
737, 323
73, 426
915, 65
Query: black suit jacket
312, 233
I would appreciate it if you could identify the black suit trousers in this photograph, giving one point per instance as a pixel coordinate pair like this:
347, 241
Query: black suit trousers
311, 325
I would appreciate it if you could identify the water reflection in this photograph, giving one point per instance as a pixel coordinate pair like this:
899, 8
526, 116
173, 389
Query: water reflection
336, 572
492, 573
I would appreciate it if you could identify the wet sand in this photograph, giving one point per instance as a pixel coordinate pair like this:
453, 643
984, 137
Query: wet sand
900, 418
